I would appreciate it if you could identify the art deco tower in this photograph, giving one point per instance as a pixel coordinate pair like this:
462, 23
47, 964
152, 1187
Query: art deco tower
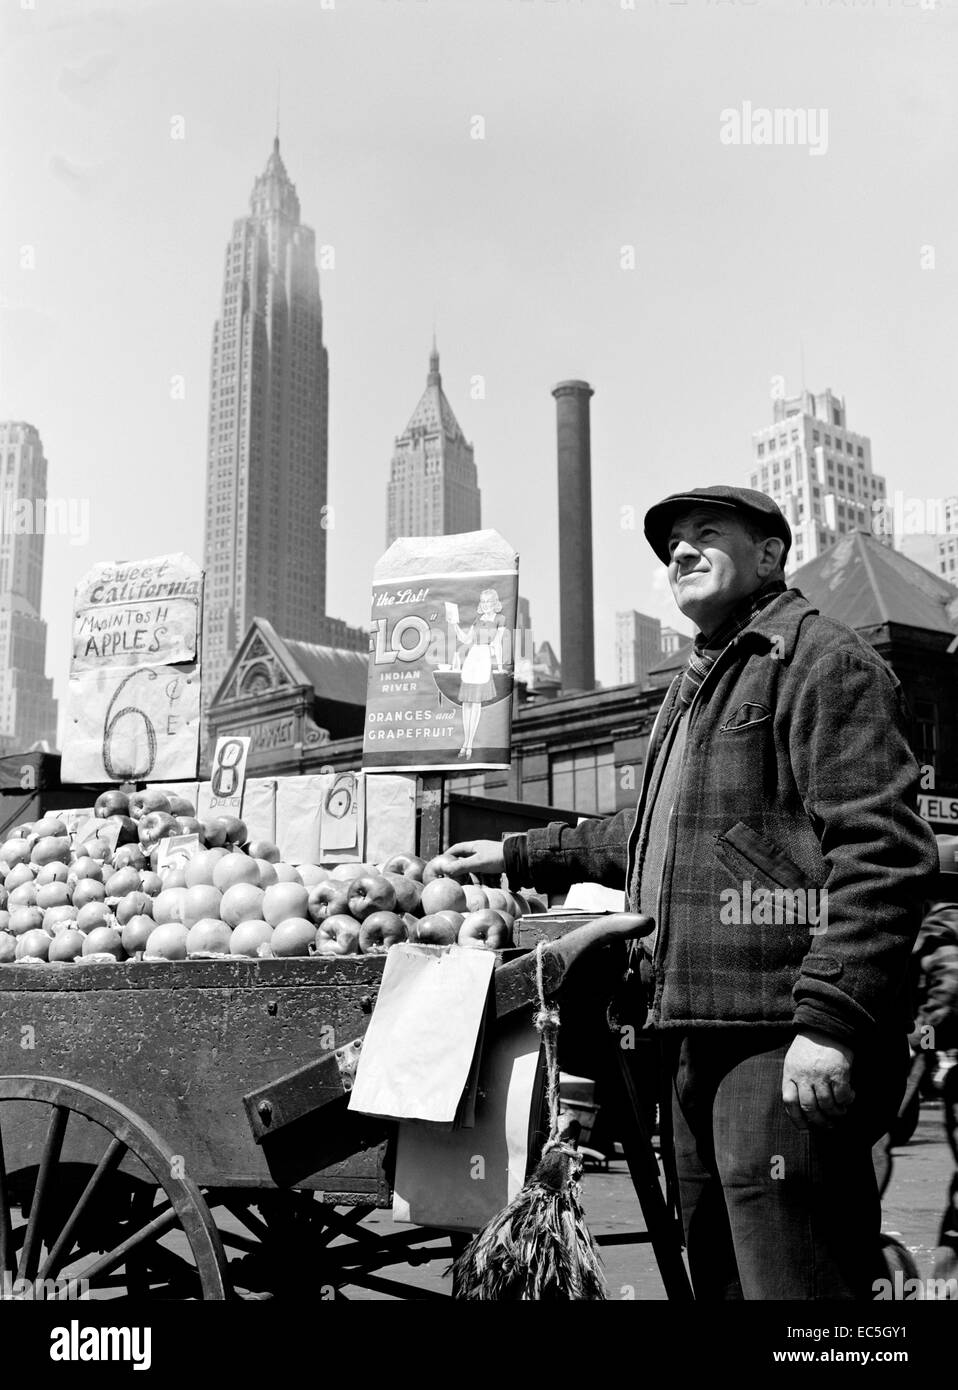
433, 488
265, 546
28, 711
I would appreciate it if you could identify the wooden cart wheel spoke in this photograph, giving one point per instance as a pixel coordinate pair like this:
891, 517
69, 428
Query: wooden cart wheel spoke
105, 1169
30, 1254
52, 1229
6, 1225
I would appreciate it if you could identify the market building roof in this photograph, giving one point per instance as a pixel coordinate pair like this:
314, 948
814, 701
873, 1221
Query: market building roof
863, 582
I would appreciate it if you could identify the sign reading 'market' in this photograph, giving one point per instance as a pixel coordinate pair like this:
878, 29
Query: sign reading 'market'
134, 702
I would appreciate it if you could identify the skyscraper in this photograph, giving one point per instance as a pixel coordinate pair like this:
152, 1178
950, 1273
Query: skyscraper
28, 711
433, 488
818, 471
265, 546
638, 646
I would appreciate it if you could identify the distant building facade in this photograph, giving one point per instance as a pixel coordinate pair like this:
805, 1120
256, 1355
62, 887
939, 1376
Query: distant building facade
819, 472
947, 556
28, 711
671, 641
266, 483
638, 646
433, 487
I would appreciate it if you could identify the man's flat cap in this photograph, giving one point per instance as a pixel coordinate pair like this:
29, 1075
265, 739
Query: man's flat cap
759, 507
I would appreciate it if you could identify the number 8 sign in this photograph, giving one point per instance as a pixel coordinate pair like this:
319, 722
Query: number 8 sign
228, 771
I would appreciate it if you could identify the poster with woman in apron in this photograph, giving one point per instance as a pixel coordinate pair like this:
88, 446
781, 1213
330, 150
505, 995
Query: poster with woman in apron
480, 656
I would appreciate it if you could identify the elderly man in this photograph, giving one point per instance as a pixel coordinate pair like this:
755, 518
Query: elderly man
777, 845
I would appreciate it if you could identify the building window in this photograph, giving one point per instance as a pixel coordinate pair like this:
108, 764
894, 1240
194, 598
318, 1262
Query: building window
925, 731
761, 451
584, 781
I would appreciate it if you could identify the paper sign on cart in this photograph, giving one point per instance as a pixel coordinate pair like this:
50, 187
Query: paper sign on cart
175, 851
438, 1181
421, 1042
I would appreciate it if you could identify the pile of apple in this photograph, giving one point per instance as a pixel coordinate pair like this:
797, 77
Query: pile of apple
90, 903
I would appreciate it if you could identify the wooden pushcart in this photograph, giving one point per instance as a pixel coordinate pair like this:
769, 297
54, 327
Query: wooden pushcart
180, 1130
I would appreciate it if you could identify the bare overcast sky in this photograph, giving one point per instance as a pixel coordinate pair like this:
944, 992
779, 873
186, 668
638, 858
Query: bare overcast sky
602, 129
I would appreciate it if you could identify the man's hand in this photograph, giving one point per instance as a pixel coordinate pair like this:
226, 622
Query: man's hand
478, 856
816, 1084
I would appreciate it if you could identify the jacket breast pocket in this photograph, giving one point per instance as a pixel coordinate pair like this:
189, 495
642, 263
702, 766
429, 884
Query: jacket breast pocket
750, 715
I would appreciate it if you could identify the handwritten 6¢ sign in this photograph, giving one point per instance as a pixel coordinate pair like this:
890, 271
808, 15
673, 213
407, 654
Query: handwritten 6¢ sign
133, 725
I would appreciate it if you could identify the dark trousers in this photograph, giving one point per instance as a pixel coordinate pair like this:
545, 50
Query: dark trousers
772, 1211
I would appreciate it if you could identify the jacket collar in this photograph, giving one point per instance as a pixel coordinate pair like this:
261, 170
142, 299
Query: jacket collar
777, 625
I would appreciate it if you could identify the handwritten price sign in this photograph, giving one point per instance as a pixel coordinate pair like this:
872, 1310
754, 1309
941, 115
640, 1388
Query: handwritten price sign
134, 701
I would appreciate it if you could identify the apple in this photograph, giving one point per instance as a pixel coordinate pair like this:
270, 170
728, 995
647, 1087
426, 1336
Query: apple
127, 835
439, 929
130, 857
93, 915
500, 900
188, 825
8, 948
156, 826
24, 895
412, 926
408, 892
379, 931
85, 868
35, 944
136, 933
135, 904
104, 940
370, 893
50, 848
263, 849
209, 934
443, 893
111, 803
533, 903
236, 831
329, 899
443, 866
97, 850
66, 945
52, 895
488, 928
179, 806
214, 833
56, 872
409, 865
476, 898
249, 936
56, 918
141, 803
312, 874
294, 936
338, 935
167, 942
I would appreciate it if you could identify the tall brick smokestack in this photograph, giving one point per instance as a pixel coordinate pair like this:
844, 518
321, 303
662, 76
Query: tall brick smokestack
575, 535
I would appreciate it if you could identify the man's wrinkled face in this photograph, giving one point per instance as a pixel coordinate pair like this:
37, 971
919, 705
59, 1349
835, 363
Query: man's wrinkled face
713, 564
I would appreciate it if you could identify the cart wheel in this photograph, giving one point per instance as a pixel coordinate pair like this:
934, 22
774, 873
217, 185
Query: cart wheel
80, 1223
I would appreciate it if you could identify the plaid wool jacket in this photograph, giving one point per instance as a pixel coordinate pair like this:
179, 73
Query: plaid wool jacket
797, 775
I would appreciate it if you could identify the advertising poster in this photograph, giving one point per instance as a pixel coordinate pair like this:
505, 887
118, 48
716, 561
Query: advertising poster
134, 694
441, 669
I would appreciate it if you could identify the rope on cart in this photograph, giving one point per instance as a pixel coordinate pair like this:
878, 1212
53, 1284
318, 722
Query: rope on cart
547, 1026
